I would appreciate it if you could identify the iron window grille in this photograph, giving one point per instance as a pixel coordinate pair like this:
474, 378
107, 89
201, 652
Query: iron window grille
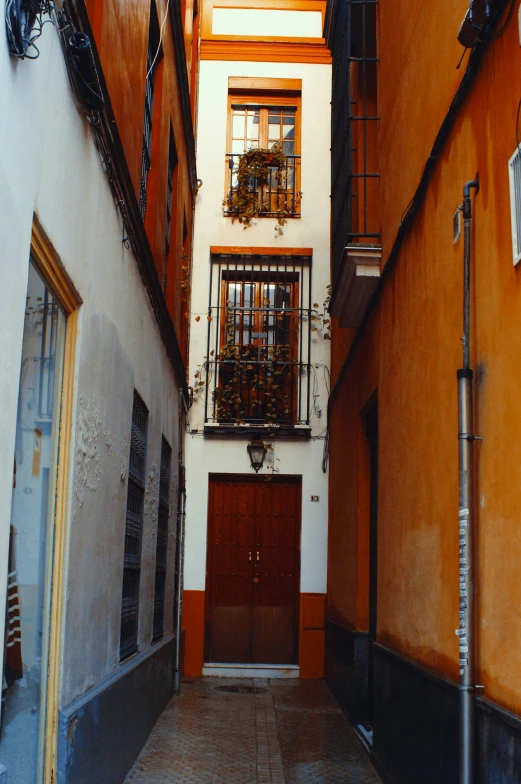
264, 126
514, 170
162, 541
133, 529
153, 57
355, 176
259, 341
172, 165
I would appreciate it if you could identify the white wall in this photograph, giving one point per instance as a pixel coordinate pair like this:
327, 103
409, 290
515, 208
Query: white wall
204, 455
49, 165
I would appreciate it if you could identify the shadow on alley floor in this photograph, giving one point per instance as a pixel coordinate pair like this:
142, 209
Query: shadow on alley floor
253, 731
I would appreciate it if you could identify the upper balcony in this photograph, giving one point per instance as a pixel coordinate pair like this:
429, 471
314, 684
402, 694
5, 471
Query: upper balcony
356, 251
266, 189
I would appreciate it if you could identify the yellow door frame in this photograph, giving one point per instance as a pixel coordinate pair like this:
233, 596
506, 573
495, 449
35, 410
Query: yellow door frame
55, 276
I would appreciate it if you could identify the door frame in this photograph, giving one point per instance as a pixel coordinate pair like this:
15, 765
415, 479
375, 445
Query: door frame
254, 479
55, 276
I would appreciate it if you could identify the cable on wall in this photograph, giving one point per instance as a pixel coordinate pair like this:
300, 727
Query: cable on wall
24, 21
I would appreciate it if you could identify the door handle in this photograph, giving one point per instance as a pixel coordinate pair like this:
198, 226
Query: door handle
258, 556
249, 557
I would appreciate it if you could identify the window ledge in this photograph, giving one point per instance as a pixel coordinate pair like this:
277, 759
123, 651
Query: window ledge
230, 430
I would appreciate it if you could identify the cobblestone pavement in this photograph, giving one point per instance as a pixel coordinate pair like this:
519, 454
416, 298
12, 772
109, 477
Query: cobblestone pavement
272, 732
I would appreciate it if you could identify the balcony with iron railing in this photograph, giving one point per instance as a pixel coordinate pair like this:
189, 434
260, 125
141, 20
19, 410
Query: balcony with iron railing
276, 195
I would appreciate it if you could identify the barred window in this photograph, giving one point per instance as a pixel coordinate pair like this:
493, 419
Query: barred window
133, 529
170, 188
259, 340
162, 541
266, 123
153, 56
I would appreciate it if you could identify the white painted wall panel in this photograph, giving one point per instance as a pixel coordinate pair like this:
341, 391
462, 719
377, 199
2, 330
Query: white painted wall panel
49, 165
204, 455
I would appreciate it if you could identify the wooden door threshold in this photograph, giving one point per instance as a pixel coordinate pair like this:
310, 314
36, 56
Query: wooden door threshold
218, 670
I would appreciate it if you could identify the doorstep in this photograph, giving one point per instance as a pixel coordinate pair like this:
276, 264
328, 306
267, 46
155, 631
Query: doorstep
219, 670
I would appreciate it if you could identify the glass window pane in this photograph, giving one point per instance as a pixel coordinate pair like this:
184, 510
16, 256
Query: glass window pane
31, 531
238, 125
238, 149
249, 293
274, 132
252, 126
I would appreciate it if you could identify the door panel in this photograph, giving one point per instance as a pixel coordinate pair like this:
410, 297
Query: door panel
253, 570
230, 573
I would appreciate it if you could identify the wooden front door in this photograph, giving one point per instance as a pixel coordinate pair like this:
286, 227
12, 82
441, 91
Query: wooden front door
252, 582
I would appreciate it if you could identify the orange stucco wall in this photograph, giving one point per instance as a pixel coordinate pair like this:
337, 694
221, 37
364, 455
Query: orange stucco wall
410, 351
120, 29
311, 634
193, 626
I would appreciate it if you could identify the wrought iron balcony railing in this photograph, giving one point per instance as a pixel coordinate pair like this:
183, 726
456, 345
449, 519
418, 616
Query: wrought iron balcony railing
277, 195
257, 370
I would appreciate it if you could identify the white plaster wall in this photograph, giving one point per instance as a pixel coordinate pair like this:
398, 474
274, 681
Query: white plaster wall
205, 455
49, 165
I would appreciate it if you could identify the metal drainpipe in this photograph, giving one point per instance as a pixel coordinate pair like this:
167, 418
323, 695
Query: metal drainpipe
466, 518
178, 599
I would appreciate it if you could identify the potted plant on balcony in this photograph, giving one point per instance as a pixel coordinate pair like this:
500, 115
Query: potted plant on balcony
244, 201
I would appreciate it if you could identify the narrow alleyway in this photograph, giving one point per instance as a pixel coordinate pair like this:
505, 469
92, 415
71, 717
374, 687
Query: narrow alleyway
254, 731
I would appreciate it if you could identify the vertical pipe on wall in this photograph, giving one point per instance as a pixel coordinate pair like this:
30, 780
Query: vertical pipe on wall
466, 518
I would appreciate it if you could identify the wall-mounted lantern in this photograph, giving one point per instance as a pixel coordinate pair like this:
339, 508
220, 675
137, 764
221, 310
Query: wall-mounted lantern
257, 452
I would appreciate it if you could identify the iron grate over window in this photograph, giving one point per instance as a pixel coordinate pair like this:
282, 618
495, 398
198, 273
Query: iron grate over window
172, 164
354, 122
259, 341
162, 540
514, 168
153, 56
133, 529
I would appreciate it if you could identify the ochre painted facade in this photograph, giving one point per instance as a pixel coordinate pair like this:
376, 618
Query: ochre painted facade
125, 72
408, 354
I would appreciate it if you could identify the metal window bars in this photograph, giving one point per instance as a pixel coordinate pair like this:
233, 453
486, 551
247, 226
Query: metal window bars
355, 176
147, 130
133, 529
172, 163
161, 541
276, 196
260, 323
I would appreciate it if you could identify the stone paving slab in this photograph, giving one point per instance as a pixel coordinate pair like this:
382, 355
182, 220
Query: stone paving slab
254, 732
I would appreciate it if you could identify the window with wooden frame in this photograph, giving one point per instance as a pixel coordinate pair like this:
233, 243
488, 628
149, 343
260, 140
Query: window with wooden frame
259, 340
265, 117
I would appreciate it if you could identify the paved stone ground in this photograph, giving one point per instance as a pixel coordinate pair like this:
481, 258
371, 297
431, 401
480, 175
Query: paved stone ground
285, 732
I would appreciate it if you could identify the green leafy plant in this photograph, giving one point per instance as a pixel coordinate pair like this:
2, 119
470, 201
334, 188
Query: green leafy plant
256, 166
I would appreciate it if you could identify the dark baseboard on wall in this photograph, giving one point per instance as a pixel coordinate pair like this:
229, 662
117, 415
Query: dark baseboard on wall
415, 721
416, 727
416, 716
345, 672
102, 732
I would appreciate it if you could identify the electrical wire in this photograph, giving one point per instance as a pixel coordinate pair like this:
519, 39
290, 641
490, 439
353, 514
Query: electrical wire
160, 42
24, 25
503, 28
